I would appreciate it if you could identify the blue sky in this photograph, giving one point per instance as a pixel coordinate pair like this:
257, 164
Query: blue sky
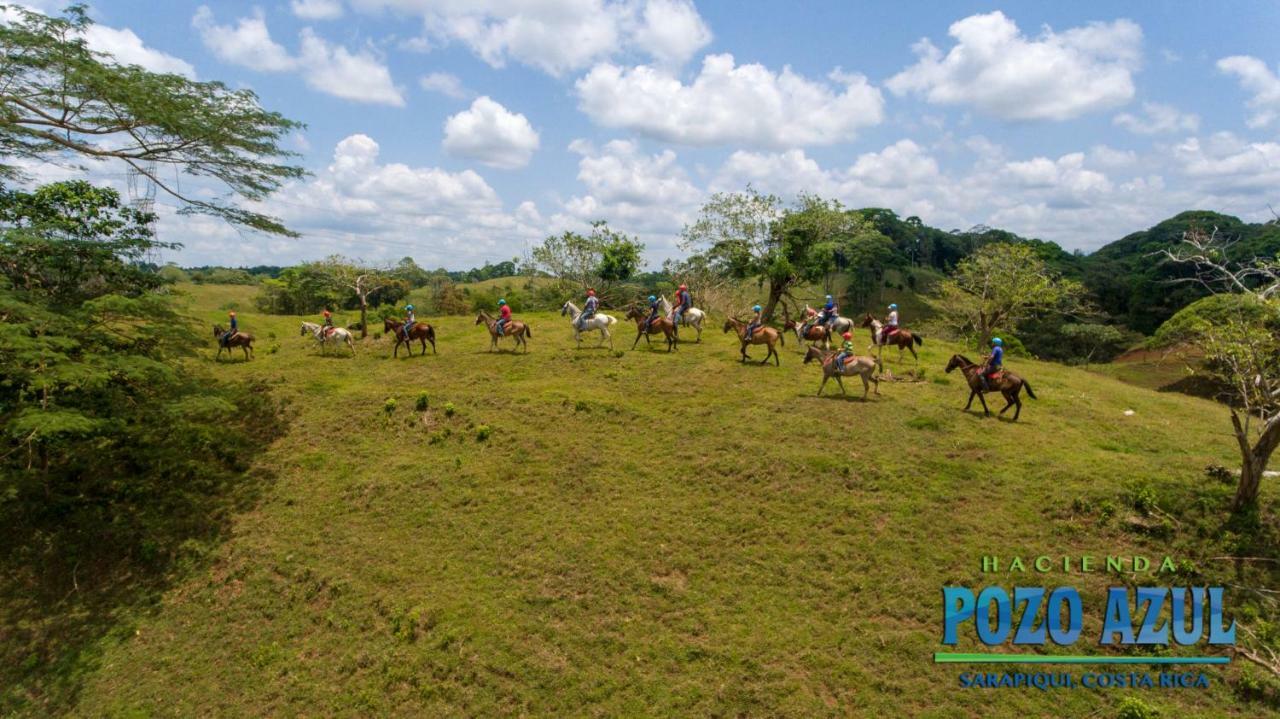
458, 132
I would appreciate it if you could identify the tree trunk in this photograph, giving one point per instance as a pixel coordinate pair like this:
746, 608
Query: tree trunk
364, 317
776, 290
1253, 460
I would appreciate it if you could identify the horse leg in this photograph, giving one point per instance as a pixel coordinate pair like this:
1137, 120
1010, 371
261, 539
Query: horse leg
637, 340
840, 382
969, 404
1018, 406
422, 342
743, 349
985, 411
825, 377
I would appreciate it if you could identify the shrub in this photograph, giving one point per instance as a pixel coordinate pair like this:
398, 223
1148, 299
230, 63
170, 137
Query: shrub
449, 409
1135, 708
389, 406
420, 404
483, 432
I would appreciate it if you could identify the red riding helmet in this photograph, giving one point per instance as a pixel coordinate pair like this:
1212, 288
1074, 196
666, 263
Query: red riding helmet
684, 287
847, 336
231, 314
591, 293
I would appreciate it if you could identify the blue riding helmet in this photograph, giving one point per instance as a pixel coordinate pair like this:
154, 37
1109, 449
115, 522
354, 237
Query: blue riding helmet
408, 307
828, 298
893, 307
652, 298
757, 308
502, 302
997, 341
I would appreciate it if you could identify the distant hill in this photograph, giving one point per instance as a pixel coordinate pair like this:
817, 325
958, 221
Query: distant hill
1129, 280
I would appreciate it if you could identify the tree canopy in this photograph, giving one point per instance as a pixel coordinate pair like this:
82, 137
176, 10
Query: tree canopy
61, 100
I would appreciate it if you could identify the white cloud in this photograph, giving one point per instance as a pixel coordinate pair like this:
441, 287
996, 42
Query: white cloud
248, 43
555, 37
1225, 164
334, 70
445, 84
725, 103
1254, 76
671, 31
1001, 72
317, 9
331, 69
128, 49
1158, 119
492, 134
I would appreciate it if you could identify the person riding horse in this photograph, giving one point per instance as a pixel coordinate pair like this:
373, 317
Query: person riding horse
829, 312
410, 319
756, 321
846, 351
890, 324
994, 362
654, 311
504, 315
589, 309
226, 336
327, 325
683, 302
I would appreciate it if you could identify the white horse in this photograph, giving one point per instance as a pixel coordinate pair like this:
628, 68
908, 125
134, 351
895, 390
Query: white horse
692, 317
338, 335
600, 322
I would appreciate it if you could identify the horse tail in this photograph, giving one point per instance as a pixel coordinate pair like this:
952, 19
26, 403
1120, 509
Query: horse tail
917, 339
431, 334
782, 337
528, 330
1030, 394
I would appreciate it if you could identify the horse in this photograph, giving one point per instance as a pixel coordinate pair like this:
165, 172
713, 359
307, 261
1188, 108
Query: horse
815, 333
243, 340
420, 331
1007, 383
762, 336
337, 334
838, 325
864, 367
514, 329
659, 324
600, 322
903, 339
692, 317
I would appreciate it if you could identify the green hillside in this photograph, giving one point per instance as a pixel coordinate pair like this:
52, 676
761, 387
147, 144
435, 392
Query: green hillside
633, 533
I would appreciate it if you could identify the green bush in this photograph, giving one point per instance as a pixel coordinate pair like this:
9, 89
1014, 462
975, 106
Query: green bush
420, 404
1135, 708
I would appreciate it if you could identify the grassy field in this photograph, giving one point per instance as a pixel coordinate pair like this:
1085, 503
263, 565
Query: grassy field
596, 533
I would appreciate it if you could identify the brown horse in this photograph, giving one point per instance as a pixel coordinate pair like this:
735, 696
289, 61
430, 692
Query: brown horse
902, 339
864, 367
816, 333
515, 329
243, 340
1006, 383
762, 336
420, 331
659, 324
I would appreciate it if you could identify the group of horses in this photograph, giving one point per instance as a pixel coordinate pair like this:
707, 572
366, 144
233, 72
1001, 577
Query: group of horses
1008, 384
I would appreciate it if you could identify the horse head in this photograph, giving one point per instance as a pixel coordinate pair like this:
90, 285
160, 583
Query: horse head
957, 362
303, 332
217, 330
564, 308
480, 318
868, 320
387, 324
811, 354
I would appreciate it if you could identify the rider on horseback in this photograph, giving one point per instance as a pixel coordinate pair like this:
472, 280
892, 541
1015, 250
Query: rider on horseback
588, 310
683, 303
994, 363
755, 322
226, 336
504, 312
653, 313
829, 312
846, 351
890, 324
327, 325
410, 319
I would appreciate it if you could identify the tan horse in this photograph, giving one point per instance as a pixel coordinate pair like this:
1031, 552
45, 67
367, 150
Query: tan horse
515, 329
762, 336
420, 331
659, 324
864, 367
1006, 383
902, 339
243, 340
815, 334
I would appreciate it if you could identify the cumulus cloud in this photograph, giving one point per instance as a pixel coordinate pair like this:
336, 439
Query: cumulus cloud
1225, 164
492, 134
443, 83
1254, 76
128, 49
728, 103
1158, 119
329, 68
999, 71
317, 9
557, 37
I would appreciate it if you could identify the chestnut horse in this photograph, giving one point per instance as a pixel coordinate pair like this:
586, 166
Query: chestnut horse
514, 329
243, 340
816, 333
659, 324
762, 336
864, 367
420, 331
1006, 383
902, 339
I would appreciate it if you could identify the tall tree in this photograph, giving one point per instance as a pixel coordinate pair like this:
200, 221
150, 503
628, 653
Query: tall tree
59, 99
1240, 339
1001, 285
359, 281
599, 259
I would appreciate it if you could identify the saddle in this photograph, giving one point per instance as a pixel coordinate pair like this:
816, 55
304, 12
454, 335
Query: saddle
326, 331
